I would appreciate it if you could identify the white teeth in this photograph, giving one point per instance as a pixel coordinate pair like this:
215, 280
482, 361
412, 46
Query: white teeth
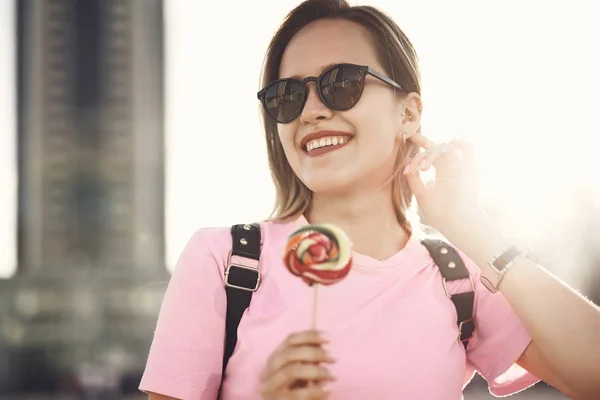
322, 142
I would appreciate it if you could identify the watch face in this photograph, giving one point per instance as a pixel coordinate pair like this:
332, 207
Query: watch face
507, 257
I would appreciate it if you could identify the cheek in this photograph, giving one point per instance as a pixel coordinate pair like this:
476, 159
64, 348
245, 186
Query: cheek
378, 130
375, 116
286, 137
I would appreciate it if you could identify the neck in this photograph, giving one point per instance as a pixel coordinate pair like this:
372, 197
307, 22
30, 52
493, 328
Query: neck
368, 219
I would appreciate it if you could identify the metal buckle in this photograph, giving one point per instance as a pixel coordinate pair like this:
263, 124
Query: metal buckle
460, 327
446, 289
231, 265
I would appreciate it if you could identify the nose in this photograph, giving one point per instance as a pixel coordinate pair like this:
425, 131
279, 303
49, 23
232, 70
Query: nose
314, 110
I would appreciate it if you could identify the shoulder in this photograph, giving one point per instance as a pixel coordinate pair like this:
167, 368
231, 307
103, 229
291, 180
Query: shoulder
214, 238
219, 240
439, 244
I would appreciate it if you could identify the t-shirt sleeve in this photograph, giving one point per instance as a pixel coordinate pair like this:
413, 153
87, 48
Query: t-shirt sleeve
499, 340
185, 358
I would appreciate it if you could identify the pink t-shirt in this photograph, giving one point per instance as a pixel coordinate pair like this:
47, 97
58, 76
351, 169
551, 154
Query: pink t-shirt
392, 329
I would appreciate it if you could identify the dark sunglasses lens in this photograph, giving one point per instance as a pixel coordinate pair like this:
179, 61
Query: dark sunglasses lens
284, 100
342, 87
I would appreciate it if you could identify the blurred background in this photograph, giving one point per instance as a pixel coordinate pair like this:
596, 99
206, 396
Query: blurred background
120, 124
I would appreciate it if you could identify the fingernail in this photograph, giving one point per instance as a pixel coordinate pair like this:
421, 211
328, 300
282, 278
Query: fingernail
406, 170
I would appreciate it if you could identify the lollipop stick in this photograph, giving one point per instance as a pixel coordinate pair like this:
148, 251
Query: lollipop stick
315, 301
314, 316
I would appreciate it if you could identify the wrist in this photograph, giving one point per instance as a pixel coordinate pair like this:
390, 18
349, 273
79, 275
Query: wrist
493, 276
493, 252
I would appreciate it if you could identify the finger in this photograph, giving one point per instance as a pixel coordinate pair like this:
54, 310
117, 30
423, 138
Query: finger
466, 150
312, 337
432, 156
314, 392
304, 338
422, 141
424, 160
455, 157
444, 154
466, 165
282, 379
296, 354
462, 145
415, 183
413, 164
295, 377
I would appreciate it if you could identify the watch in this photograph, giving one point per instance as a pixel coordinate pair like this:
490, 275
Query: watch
500, 265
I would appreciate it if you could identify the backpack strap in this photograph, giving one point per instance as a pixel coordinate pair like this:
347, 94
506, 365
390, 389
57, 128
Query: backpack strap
242, 278
453, 268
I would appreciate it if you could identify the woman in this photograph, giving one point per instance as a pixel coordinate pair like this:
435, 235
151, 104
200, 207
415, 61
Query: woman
343, 147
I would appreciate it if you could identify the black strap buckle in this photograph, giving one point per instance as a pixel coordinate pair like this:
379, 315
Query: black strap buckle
469, 325
452, 268
241, 276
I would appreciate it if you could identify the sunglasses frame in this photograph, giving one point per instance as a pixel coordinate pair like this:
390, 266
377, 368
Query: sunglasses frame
363, 69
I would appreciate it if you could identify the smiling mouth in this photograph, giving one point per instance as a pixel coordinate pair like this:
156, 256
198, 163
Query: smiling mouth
324, 145
330, 141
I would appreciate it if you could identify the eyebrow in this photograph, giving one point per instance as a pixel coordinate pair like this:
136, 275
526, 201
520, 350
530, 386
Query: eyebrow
325, 67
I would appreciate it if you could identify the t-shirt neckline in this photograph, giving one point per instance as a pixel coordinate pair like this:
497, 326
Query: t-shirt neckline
409, 252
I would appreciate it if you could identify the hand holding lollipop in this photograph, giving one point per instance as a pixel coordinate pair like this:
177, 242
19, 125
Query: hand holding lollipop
318, 254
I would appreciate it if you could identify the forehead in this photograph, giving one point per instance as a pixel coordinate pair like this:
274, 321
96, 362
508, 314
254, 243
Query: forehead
327, 42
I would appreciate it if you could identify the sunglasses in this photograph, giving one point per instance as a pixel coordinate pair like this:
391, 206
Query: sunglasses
339, 87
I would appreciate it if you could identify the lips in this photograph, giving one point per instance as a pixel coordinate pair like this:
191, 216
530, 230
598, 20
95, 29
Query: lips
324, 135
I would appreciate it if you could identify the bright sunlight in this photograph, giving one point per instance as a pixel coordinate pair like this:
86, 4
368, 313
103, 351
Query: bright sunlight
517, 79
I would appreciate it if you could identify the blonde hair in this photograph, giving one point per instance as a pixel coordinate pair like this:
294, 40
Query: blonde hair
400, 61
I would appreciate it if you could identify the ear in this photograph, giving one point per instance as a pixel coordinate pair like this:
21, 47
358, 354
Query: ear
411, 111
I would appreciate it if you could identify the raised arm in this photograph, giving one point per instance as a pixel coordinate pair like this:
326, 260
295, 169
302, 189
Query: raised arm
564, 326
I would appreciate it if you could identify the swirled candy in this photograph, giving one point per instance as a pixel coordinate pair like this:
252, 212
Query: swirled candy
319, 254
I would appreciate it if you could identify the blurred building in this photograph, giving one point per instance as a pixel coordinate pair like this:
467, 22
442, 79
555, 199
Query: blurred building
80, 313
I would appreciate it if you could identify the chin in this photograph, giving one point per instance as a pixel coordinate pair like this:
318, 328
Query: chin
337, 184
332, 184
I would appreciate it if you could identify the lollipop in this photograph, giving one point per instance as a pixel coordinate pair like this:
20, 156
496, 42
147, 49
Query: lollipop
319, 254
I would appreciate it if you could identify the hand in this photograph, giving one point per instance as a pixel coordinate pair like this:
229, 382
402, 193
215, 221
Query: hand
293, 370
450, 201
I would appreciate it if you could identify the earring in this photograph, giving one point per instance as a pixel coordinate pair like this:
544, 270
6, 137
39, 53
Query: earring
409, 117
